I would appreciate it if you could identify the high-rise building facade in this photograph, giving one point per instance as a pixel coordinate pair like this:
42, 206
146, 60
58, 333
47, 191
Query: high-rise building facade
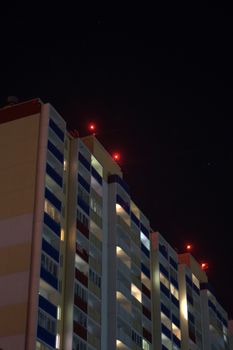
165, 294
80, 267
190, 278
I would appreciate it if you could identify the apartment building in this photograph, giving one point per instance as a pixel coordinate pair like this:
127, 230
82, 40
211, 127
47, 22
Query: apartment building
80, 266
165, 294
214, 320
80, 247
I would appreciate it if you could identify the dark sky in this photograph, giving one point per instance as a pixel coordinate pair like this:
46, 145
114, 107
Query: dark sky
158, 82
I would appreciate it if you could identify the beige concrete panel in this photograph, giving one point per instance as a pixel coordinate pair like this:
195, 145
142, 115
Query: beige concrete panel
16, 203
18, 154
12, 343
12, 319
15, 259
9, 284
17, 130
16, 230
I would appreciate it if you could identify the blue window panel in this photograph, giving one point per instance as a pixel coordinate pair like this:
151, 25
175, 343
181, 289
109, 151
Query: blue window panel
145, 231
54, 175
51, 251
84, 161
84, 183
164, 289
190, 299
166, 331
145, 250
174, 282
163, 270
173, 263
53, 199
219, 315
163, 250
188, 281
53, 225
49, 278
46, 337
53, 149
191, 317
145, 270
175, 321
115, 178
176, 341
224, 322
165, 310
175, 301
164, 347
211, 305
124, 205
47, 306
83, 205
135, 219
57, 130
196, 290
96, 175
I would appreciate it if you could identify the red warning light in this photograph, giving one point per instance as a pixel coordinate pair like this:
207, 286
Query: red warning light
204, 266
189, 247
116, 156
92, 127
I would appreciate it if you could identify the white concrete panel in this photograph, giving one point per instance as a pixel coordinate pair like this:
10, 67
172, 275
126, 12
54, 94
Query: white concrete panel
14, 288
16, 230
13, 342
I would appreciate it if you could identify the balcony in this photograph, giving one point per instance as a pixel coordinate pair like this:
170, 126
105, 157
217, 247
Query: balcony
80, 303
80, 330
82, 228
82, 252
81, 277
146, 291
147, 335
94, 314
94, 341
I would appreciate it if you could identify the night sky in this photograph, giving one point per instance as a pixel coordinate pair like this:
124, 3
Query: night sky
158, 83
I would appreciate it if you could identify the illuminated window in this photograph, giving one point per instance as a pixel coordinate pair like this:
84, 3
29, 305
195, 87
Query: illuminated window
58, 341
145, 345
123, 256
51, 211
166, 342
195, 281
65, 165
145, 240
166, 321
62, 234
164, 280
119, 344
136, 292
97, 166
184, 308
174, 291
59, 312
176, 331
145, 280
122, 213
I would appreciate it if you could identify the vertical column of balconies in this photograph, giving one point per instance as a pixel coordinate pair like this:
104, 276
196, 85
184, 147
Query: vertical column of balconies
133, 287
50, 290
88, 267
166, 294
214, 320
